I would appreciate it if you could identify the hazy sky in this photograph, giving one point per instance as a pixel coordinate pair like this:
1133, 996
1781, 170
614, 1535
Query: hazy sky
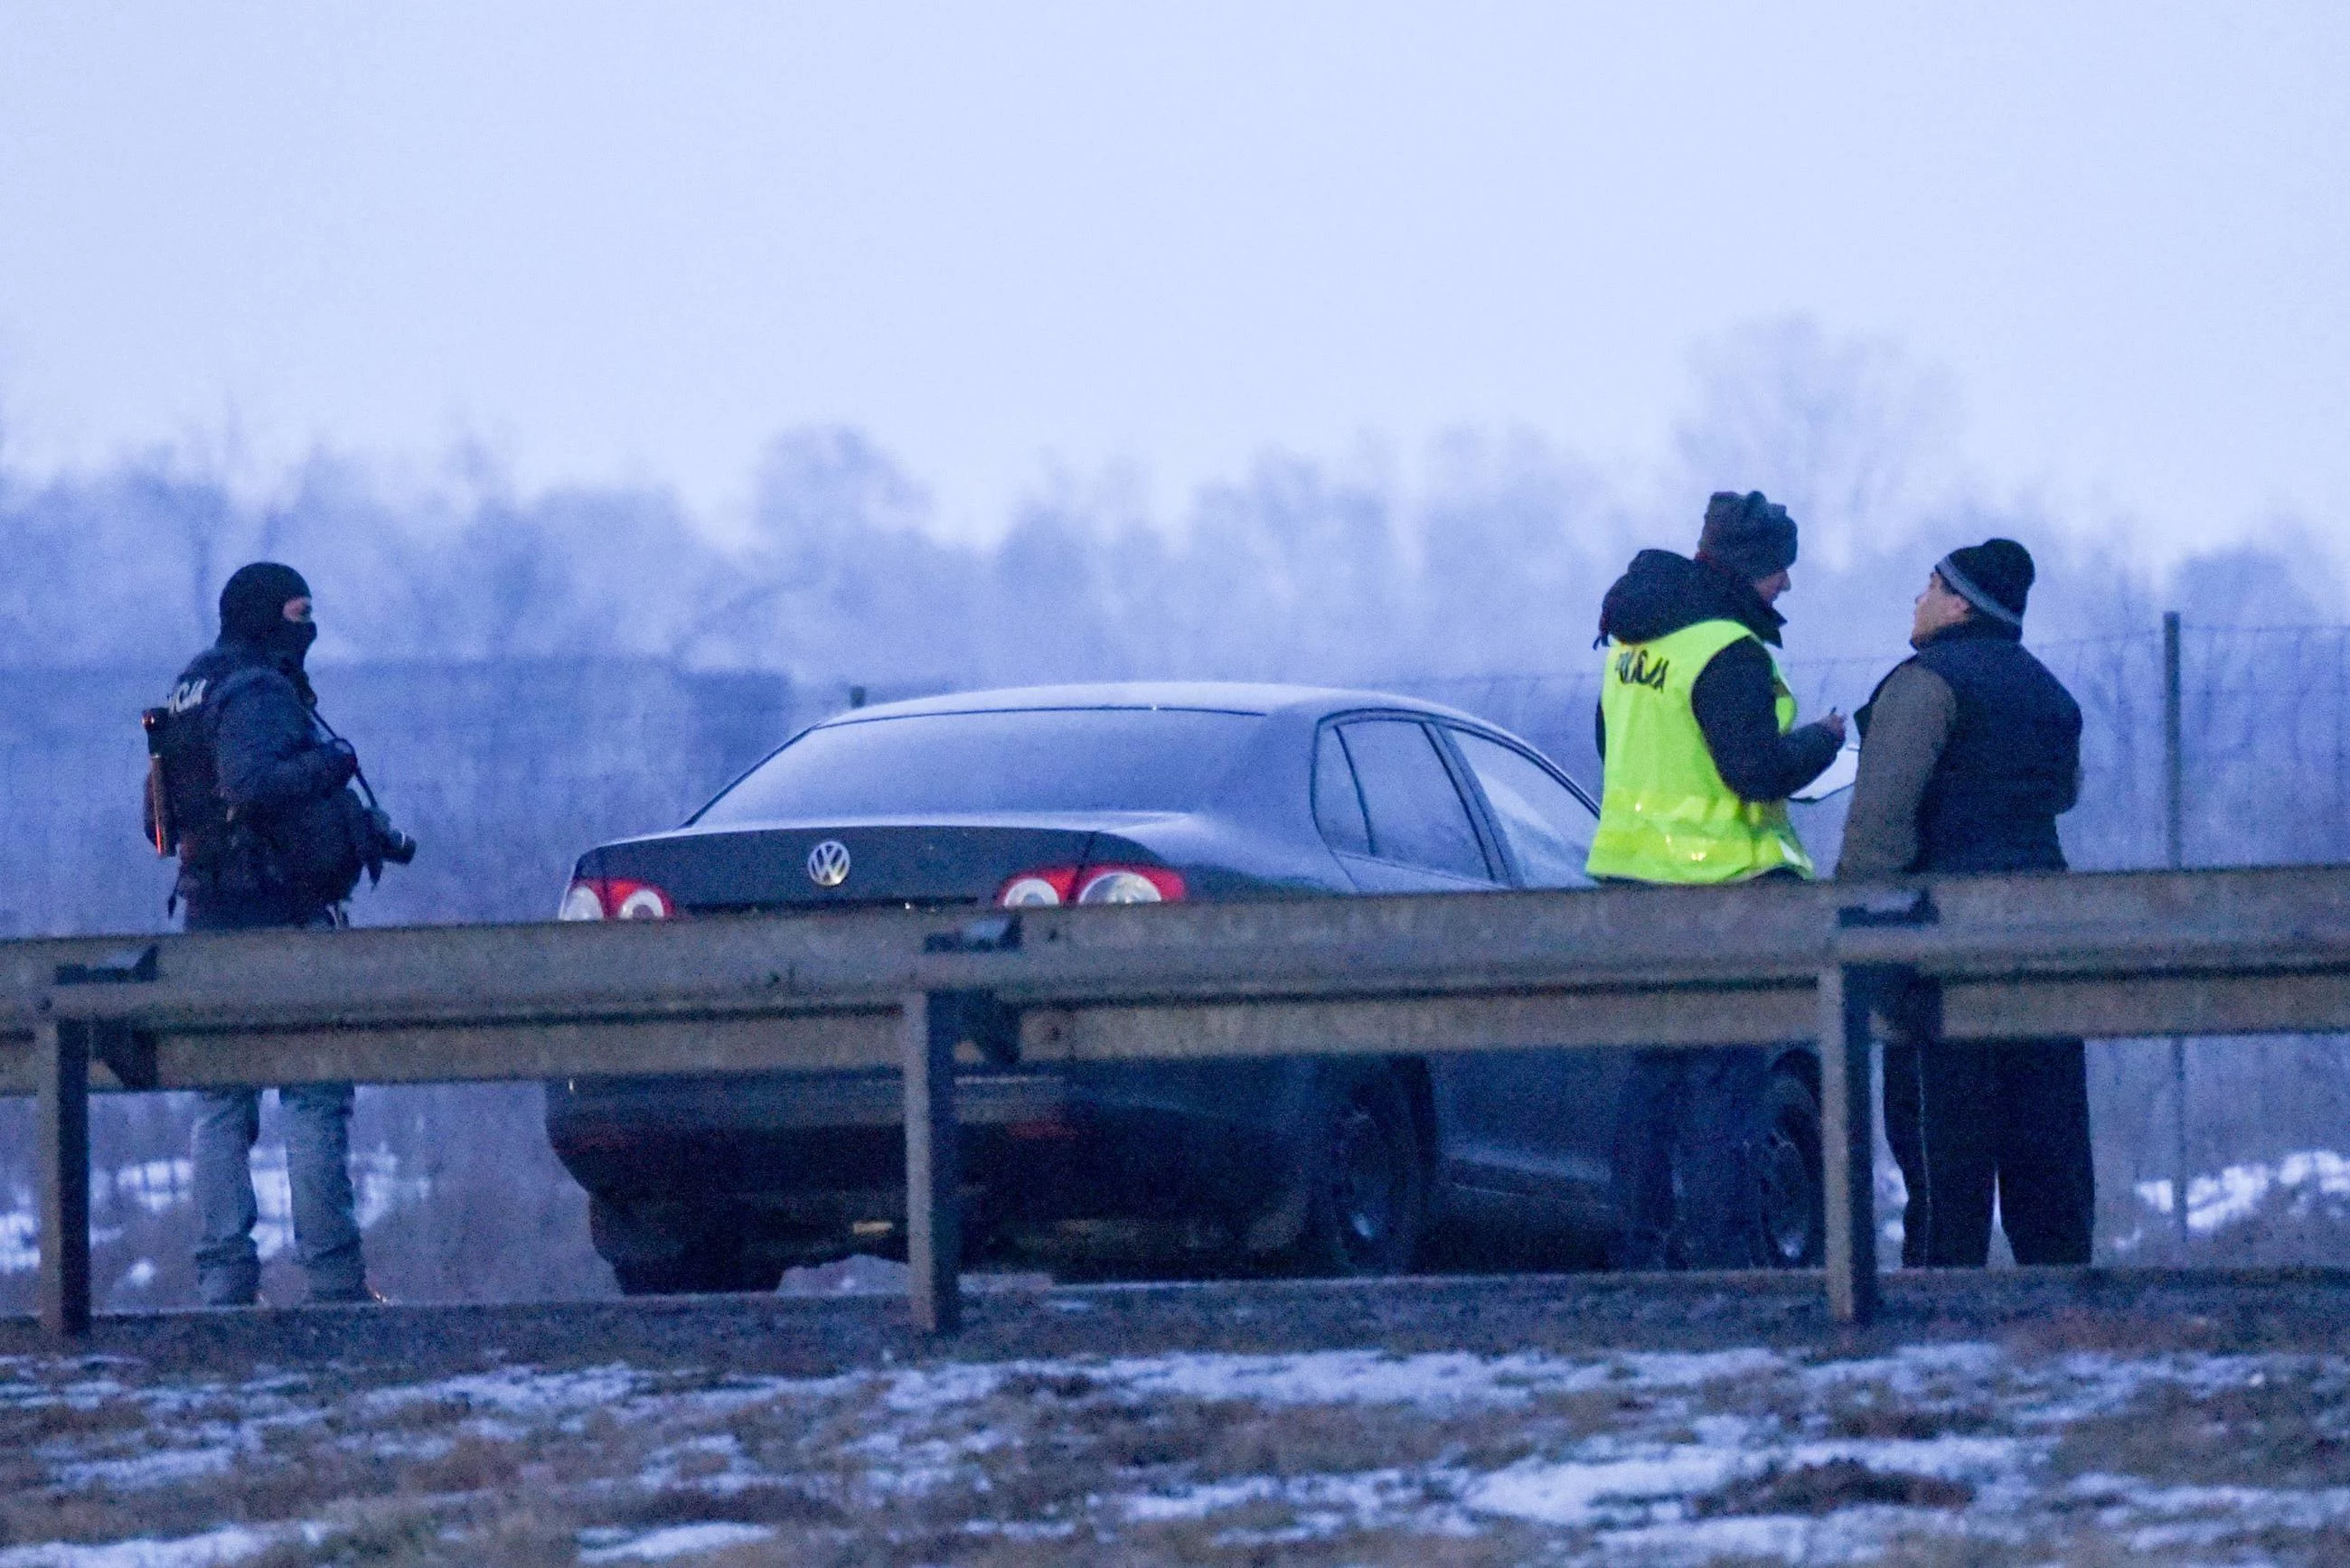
634, 241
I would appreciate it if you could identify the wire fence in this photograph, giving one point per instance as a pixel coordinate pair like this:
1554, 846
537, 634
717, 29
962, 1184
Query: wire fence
506, 771
2265, 748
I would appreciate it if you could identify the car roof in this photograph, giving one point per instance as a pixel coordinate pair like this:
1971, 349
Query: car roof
1255, 698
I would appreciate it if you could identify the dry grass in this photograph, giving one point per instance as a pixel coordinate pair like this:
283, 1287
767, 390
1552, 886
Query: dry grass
2283, 1431
1821, 1489
1067, 1464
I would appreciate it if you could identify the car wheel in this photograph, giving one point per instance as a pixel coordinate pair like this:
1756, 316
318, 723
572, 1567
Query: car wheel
1789, 1195
690, 1255
696, 1273
1368, 1195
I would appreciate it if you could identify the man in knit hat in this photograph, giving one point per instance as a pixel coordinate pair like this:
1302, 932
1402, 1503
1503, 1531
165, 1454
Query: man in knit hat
1969, 752
253, 770
1700, 752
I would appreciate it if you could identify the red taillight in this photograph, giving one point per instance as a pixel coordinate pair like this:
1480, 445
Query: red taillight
1050, 885
1045, 887
613, 898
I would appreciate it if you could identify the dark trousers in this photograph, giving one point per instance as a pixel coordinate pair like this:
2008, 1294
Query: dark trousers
1682, 1164
1683, 1167
1967, 1120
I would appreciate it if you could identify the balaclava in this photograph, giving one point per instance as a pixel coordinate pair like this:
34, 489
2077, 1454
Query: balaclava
1994, 577
252, 610
1749, 536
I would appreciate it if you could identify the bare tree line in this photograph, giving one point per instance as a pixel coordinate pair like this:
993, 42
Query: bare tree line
1487, 556
531, 673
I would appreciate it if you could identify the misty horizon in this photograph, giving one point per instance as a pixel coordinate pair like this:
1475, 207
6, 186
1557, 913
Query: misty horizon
625, 250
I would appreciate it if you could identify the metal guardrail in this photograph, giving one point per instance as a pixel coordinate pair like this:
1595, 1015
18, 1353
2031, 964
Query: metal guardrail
2159, 953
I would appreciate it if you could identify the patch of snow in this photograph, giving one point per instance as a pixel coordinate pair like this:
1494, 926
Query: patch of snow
20, 1241
2242, 1507
1705, 1540
1950, 1458
1909, 1368
1198, 1501
1322, 1505
380, 1190
1610, 1492
2239, 1191
678, 1541
157, 1186
665, 1468
1369, 1492
231, 1544
1431, 1380
1851, 1535
855, 1275
1022, 1529
519, 1390
163, 1468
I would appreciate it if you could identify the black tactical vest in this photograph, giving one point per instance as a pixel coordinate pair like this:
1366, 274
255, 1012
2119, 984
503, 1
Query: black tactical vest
217, 856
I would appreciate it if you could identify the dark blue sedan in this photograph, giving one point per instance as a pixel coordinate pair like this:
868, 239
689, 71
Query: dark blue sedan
1127, 793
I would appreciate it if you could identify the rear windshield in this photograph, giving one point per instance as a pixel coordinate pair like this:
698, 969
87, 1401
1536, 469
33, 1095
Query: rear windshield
1073, 759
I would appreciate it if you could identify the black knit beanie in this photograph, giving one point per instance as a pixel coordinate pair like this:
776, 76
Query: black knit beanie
253, 605
1748, 537
1995, 576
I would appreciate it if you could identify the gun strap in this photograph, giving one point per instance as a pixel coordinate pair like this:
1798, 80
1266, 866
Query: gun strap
359, 774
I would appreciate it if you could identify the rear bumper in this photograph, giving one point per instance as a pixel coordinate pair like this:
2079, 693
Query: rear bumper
1177, 1143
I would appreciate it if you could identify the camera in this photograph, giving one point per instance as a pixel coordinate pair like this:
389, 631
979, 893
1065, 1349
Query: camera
388, 844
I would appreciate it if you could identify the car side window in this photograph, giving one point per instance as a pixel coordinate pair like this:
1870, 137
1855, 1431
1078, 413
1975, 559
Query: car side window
1548, 827
1416, 815
1337, 804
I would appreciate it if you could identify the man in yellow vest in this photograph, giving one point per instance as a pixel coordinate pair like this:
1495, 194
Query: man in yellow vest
1699, 751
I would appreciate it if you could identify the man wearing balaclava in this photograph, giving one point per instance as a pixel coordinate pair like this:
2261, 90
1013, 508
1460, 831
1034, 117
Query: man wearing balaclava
1699, 751
1969, 752
255, 759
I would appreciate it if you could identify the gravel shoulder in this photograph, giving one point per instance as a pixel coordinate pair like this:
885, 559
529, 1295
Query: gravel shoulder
2303, 1308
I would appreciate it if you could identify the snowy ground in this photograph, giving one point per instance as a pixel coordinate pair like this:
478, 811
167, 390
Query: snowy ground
1947, 1453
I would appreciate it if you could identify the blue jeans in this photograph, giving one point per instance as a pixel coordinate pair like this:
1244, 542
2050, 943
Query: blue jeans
317, 1119
318, 1168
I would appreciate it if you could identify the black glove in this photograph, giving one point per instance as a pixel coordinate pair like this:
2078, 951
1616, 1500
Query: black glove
343, 762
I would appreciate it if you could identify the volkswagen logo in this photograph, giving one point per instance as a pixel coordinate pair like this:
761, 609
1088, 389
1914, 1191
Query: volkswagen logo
829, 864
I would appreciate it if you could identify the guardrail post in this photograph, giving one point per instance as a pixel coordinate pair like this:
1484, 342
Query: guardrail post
62, 1059
1849, 1143
933, 1173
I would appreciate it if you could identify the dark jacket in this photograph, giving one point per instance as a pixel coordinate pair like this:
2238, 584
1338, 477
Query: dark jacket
1734, 696
1970, 753
253, 708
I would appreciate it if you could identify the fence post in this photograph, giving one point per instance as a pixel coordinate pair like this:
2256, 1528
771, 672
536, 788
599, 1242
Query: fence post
2174, 776
61, 1057
1847, 1144
933, 1173
2174, 855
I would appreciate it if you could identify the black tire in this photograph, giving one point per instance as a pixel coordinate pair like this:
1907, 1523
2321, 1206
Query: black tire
1367, 1199
1790, 1196
694, 1274
688, 1255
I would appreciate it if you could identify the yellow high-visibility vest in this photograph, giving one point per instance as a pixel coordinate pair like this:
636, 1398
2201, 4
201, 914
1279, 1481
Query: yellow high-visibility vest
1665, 815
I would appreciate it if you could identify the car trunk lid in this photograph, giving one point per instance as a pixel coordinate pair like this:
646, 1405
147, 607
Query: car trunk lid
844, 864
